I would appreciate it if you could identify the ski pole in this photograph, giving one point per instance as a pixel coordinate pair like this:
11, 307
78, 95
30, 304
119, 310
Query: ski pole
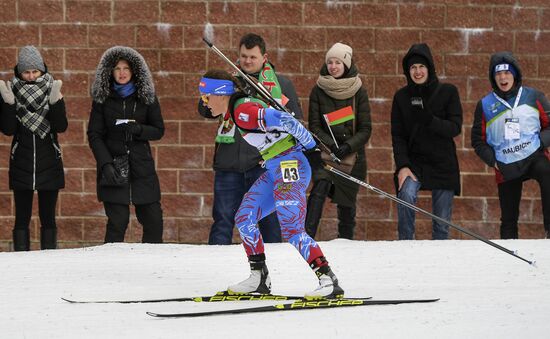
263, 92
426, 213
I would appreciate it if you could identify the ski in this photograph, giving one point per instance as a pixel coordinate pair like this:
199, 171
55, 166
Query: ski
297, 305
220, 296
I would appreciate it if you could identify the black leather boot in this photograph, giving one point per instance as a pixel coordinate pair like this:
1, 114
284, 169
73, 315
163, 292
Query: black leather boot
21, 240
346, 222
48, 238
315, 205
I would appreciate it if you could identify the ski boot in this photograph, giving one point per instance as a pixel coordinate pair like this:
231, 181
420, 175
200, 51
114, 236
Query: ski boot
258, 281
328, 283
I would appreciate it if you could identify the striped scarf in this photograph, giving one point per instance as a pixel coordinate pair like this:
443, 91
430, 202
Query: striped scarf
32, 103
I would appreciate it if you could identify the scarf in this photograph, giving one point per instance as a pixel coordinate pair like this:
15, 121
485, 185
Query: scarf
339, 89
32, 103
124, 90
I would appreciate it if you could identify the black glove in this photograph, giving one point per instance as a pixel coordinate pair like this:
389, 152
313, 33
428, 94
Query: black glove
344, 150
313, 156
333, 148
420, 113
110, 173
134, 128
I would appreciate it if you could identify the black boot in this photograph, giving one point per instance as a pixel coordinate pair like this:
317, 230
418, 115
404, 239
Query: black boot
21, 240
48, 238
346, 222
315, 205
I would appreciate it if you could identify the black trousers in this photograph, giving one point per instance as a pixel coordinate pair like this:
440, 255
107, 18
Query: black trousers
509, 194
315, 204
149, 216
47, 200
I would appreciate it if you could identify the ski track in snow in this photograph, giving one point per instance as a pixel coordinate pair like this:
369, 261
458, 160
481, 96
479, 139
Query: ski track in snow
485, 293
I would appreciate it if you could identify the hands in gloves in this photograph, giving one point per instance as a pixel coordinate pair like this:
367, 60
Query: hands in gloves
6, 92
420, 113
55, 93
313, 156
110, 173
344, 150
134, 128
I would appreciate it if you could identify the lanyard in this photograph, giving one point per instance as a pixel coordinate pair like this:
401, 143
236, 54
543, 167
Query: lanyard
505, 103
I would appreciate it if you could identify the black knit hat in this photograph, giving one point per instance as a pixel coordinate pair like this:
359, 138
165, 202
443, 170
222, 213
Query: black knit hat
417, 59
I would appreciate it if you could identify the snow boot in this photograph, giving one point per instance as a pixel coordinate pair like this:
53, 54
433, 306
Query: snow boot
328, 283
21, 240
258, 281
48, 238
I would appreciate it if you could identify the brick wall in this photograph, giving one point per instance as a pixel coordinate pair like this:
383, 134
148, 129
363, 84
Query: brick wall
72, 35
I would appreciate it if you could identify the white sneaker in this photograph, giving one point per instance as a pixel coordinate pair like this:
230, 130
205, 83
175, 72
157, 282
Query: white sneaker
258, 282
328, 288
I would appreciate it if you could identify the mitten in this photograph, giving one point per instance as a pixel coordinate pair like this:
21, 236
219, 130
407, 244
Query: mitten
110, 173
6, 92
313, 156
134, 128
344, 150
55, 93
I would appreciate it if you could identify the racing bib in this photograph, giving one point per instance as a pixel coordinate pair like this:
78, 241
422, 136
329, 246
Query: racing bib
289, 171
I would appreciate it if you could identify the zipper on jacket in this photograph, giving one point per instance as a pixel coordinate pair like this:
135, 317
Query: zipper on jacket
128, 153
33, 161
13, 149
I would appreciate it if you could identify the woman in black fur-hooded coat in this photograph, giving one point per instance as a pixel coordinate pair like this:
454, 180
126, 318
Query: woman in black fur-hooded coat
125, 116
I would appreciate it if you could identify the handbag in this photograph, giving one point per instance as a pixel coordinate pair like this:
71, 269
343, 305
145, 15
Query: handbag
122, 166
346, 163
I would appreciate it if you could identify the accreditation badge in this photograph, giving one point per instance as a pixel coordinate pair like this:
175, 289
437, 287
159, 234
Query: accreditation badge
511, 129
289, 170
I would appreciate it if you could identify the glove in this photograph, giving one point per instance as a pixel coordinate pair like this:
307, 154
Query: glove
110, 173
313, 156
344, 150
420, 113
333, 148
6, 92
134, 128
55, 93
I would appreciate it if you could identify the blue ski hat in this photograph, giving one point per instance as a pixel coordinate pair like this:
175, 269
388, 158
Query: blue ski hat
216, 86
506, 67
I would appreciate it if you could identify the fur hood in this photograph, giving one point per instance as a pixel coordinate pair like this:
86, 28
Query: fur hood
141, 75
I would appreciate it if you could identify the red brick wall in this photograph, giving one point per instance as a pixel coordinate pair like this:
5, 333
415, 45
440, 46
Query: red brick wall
72, 35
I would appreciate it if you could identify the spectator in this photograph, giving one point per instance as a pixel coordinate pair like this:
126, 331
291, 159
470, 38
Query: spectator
338, 88
236, 163
125, 116
426, 115
34, 112
511, 133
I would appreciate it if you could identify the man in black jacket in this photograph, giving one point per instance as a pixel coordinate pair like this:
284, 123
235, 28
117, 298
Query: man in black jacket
426, 116
236, 163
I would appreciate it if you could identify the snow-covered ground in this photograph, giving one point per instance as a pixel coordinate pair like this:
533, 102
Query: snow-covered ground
485, 293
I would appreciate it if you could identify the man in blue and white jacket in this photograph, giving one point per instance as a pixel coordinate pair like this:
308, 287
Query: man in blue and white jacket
511, 132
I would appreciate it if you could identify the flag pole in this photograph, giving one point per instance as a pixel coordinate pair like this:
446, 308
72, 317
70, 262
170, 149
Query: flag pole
330, 129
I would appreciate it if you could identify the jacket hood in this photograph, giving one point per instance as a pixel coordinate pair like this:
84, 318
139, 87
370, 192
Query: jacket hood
424, 51
504, 58
141, 75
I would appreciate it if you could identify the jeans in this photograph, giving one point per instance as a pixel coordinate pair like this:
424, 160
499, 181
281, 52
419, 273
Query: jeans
442, 206
229, 190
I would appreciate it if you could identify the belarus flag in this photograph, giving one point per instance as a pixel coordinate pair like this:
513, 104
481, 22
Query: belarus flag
339, 116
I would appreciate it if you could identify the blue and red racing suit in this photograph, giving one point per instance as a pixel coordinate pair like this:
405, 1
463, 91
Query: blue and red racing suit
280, 138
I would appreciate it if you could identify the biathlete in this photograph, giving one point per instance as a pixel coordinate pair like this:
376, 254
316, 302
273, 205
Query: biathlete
281, 140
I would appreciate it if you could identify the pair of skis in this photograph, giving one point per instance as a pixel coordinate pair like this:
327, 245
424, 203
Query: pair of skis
298, 303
